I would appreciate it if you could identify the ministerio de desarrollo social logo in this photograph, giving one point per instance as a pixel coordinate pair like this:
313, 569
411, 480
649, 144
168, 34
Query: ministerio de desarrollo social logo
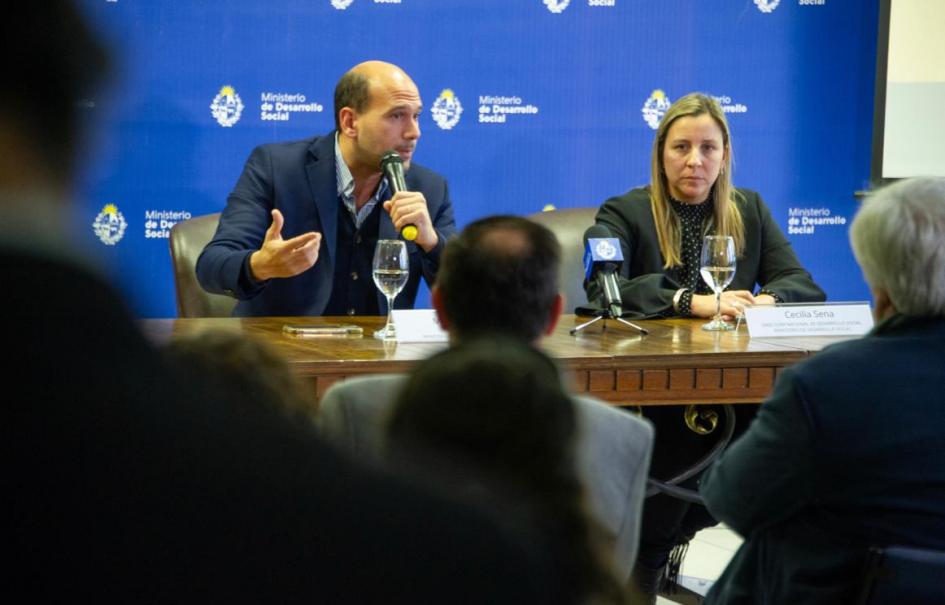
341, 4
655, 107
109, 226
227, 107
766, 6
556, 6
446, 110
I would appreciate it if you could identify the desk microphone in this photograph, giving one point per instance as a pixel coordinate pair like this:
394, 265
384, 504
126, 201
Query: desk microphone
393, 168
602, 260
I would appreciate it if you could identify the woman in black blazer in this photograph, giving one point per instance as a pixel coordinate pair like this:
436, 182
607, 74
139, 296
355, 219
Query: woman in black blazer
661, 228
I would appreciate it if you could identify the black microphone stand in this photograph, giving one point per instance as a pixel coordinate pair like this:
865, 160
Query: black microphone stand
606, 314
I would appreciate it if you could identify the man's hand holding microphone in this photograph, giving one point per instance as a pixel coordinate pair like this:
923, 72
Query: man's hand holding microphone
407, 209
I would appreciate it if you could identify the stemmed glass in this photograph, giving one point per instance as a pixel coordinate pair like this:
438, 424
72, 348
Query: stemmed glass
390, 275
717, 267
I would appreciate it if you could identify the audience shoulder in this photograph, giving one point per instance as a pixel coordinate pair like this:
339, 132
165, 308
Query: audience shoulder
352, 413
604, 413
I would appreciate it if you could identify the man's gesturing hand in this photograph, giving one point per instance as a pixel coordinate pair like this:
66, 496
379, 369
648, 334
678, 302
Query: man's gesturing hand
284, 258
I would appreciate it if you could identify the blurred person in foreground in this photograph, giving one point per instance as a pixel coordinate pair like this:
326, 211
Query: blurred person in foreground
489, 416
243, 369
125, 481
661, 229
848, 452
500, 277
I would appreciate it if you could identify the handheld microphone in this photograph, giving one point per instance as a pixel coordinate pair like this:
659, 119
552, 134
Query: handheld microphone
602, 260
393, 168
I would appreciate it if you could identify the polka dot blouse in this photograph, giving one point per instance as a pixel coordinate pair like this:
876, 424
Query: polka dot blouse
694, 219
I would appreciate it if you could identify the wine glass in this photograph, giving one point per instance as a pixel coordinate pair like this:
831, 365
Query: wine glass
390, 275
717, 267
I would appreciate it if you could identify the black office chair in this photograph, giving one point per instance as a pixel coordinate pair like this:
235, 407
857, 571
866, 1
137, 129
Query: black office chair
187, 240
905, 576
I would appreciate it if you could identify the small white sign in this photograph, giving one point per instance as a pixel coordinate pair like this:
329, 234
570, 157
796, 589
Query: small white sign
418, 325
765, 321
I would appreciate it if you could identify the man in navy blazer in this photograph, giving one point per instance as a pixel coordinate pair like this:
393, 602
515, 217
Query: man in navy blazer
298, 232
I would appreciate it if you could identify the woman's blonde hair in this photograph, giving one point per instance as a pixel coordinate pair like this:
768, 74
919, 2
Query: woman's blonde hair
725, 215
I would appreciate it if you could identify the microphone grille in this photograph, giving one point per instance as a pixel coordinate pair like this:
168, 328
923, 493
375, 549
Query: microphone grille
597, 231
390, 157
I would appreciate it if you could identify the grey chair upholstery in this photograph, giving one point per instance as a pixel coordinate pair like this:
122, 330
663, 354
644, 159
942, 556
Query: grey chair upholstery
569, 225
187, 240
905, 576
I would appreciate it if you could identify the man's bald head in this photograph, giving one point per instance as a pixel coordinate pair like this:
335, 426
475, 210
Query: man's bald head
356, 87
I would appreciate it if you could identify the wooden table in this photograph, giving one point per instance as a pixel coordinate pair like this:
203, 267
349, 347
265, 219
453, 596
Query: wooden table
677, 363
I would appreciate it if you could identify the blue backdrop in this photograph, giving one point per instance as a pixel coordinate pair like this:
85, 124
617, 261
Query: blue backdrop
528, 103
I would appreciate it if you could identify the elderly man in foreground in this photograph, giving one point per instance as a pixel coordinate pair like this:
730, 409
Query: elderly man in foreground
849, 450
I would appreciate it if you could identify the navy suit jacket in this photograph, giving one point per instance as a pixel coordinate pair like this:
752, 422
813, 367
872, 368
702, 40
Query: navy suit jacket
299, 179
847, 453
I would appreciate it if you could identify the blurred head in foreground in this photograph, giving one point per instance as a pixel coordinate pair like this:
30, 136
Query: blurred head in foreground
242, 370
52, 66
491, 416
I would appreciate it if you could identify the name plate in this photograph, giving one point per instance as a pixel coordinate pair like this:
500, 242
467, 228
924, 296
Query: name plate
418, 325
845, 319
